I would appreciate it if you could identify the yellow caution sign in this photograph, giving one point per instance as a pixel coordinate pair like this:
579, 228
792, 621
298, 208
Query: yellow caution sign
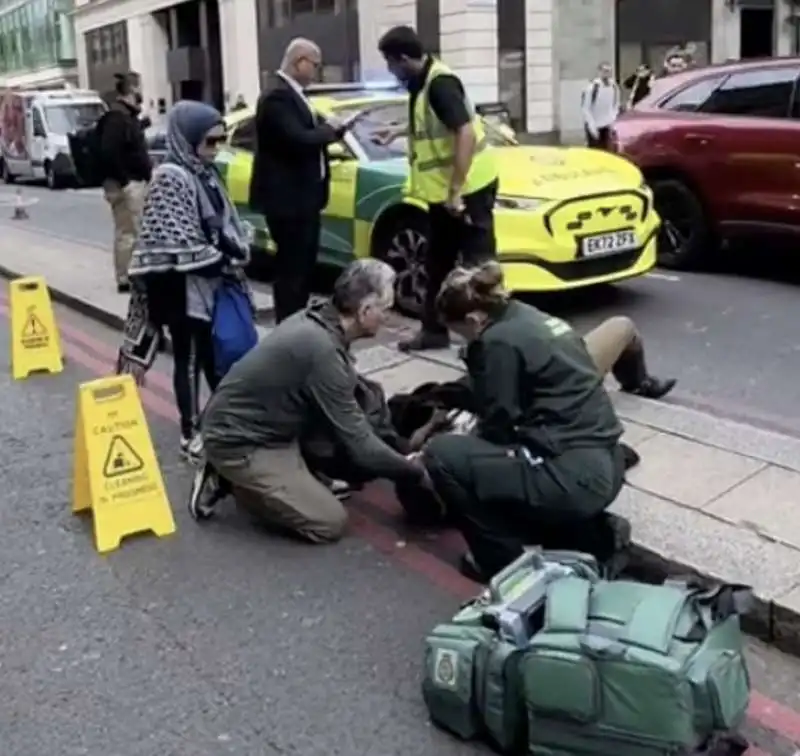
115, 470
35, 344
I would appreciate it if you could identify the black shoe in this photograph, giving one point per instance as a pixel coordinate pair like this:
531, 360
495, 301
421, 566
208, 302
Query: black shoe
630, 456
123, 288
619, 534
469, 568
425, 340
653, 388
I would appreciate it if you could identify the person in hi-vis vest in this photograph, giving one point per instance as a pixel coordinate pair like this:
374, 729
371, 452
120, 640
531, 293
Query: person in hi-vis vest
452, 170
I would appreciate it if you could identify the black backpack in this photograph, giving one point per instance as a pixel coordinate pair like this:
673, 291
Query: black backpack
84, 146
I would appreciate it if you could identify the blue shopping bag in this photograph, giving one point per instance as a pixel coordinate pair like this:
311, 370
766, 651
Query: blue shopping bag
233, 329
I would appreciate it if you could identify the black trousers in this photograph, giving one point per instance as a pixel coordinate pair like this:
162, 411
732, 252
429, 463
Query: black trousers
297, 242
502, 502
193, 354
469, 237
601, 142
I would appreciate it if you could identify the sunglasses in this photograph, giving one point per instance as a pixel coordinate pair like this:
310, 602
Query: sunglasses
316, 63
214, 141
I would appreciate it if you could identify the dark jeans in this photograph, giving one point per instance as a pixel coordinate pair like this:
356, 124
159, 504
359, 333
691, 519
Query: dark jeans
470, 237
193, 354
602, 140
501, 502
297, 242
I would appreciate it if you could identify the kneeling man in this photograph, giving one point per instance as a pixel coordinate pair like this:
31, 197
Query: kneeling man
298, 380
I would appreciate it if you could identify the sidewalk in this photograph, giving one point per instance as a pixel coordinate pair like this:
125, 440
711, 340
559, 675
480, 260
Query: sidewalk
711, 496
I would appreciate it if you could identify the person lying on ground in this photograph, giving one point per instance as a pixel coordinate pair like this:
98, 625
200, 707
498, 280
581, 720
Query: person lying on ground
299, 377
546, 456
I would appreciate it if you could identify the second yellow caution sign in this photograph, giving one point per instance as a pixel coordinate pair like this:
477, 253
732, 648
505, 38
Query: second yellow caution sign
35, 344
116, 474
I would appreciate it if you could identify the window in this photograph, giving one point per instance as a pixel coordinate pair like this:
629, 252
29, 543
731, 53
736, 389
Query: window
764, 93
691, 98
244, 136
37, 123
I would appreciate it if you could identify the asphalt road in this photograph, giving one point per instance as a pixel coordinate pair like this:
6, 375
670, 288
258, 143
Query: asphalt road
220, 639
731, 337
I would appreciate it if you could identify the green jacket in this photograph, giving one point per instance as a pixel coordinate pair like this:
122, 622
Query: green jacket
535, 384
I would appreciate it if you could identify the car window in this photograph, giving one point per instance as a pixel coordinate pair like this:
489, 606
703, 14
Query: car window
691, 98
765, 93
244, 135
395, 114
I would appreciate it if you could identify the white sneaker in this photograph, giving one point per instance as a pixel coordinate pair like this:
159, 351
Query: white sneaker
206, 493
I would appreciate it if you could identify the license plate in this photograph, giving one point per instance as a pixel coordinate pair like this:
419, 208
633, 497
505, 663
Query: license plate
606, 244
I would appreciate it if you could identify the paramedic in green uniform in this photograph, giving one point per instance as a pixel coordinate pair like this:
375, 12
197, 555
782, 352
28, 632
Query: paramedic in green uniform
546, 458
452, 169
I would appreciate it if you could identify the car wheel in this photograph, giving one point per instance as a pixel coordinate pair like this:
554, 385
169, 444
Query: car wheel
403, 244
51, 177
685, 236
8, 178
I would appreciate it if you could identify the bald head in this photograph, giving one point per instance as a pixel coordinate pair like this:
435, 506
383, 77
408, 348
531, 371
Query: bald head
302, 60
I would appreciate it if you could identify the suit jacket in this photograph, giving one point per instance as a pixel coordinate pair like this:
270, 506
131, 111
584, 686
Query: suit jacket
291, 175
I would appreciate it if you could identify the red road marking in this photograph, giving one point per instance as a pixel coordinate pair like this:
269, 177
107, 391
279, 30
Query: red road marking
767, 713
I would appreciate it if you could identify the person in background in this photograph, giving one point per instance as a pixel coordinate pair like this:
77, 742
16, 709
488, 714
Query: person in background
600, 105
290, 182
639, 84
302, 377
546, 457
674, 62
452, 169
191, 236
127, 168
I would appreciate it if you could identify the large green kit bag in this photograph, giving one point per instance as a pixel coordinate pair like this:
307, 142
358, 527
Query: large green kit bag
629, 669
472, 685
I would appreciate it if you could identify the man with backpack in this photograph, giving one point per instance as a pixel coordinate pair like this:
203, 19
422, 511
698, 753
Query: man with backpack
600, 105
126, 169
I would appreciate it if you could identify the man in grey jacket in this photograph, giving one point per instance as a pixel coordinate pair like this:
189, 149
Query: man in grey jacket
298, 380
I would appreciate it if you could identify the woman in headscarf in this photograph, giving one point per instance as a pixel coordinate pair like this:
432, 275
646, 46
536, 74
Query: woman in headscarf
190, 238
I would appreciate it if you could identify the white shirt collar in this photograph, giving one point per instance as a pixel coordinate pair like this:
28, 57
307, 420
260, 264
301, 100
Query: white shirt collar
294, 85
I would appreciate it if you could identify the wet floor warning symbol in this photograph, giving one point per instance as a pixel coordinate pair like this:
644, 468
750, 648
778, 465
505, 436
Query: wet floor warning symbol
121, 459
35, 346
115, 471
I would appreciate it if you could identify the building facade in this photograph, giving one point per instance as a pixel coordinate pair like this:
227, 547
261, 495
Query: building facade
37, 44
534, 55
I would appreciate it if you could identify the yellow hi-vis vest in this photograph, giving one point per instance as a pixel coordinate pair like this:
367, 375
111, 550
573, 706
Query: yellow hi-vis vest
431, 149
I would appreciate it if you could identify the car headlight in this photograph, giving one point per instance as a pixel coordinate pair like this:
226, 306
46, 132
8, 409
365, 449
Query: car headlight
507, 202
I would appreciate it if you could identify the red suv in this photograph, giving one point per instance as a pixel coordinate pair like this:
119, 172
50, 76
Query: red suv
720, 146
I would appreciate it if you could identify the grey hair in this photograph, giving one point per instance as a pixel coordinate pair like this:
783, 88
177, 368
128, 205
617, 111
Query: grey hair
363, 282
298, 48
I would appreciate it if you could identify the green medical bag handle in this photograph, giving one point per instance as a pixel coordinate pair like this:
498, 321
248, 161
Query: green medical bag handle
567, 607
655, 618
531, 560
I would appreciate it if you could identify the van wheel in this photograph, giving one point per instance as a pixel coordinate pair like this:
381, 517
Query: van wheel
51, 177
402, 241
8, 177
685, 238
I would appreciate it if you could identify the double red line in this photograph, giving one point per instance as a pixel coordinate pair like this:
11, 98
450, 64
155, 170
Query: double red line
375, 516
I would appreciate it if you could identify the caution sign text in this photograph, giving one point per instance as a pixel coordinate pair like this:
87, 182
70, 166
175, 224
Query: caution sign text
35, 343
116, 474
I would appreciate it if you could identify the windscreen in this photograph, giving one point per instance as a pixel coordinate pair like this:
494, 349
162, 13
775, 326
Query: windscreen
395, 115
67, 118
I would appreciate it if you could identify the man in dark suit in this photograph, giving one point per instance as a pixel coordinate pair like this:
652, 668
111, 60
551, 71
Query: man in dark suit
290, 179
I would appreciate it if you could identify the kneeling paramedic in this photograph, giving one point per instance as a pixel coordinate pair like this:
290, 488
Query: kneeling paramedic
300, 378
546, 456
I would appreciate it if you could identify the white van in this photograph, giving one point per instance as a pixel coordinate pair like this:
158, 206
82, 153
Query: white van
33, 132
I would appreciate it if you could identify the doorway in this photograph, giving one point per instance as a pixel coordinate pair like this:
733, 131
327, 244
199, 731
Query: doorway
756, 32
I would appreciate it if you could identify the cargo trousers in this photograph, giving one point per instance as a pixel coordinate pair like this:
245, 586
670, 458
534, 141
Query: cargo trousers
502, 498
127, 205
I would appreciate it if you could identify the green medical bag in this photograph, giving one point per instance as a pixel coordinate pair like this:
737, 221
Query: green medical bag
472, 685
630, 669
